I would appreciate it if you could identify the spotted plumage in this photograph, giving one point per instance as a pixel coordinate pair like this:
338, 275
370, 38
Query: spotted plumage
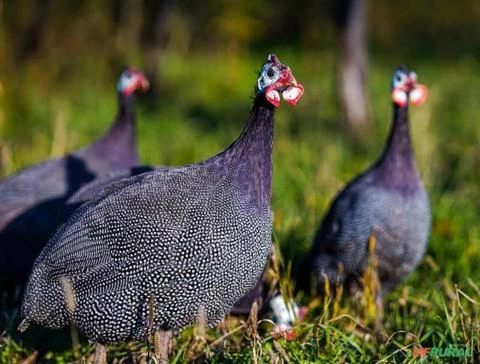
388, 200
35, 201
189, 241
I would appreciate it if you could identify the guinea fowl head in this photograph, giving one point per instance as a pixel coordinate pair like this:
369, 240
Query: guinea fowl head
276, 78
405, 88
130, 81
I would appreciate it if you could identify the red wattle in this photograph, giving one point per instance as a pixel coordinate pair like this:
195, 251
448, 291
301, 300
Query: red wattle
418, 95
273, 96
293, 93
399, 97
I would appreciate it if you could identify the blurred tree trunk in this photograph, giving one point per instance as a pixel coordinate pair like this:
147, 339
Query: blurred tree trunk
31, 38
350, 20
128, 16
156, 35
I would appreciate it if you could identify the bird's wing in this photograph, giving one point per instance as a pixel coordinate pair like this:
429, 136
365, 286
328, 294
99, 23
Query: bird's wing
347, 221
117, 231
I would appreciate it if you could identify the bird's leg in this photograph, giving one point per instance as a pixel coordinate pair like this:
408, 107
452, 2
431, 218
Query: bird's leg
100, 354
161, 341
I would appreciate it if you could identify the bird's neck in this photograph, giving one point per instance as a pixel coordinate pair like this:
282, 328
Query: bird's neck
252, 152
124, 127
120, 141
397, 164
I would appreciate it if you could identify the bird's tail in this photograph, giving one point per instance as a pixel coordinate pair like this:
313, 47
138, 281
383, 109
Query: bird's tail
43, 302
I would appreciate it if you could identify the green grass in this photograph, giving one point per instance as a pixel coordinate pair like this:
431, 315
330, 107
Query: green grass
201, 107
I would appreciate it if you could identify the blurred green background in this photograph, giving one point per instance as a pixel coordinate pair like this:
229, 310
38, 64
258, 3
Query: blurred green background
59, 62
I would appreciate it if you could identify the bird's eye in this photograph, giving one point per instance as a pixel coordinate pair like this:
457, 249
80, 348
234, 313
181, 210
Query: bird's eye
400, 78
271, 72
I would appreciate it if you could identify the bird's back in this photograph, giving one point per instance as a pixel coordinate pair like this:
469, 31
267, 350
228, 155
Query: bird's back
31, 185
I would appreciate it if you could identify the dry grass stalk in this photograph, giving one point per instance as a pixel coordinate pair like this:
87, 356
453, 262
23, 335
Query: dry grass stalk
371, 282
281, 351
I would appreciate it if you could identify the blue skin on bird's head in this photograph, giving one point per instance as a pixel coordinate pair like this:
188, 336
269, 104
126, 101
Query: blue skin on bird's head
405, 88
130, 81
400, 77
269, 74
276, 77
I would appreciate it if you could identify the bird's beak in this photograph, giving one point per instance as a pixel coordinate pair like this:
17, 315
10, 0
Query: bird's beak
287, 78
418, 93
410, 85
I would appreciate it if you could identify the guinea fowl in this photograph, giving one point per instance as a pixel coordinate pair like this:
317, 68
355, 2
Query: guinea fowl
34, 202
156, 252
387, 201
